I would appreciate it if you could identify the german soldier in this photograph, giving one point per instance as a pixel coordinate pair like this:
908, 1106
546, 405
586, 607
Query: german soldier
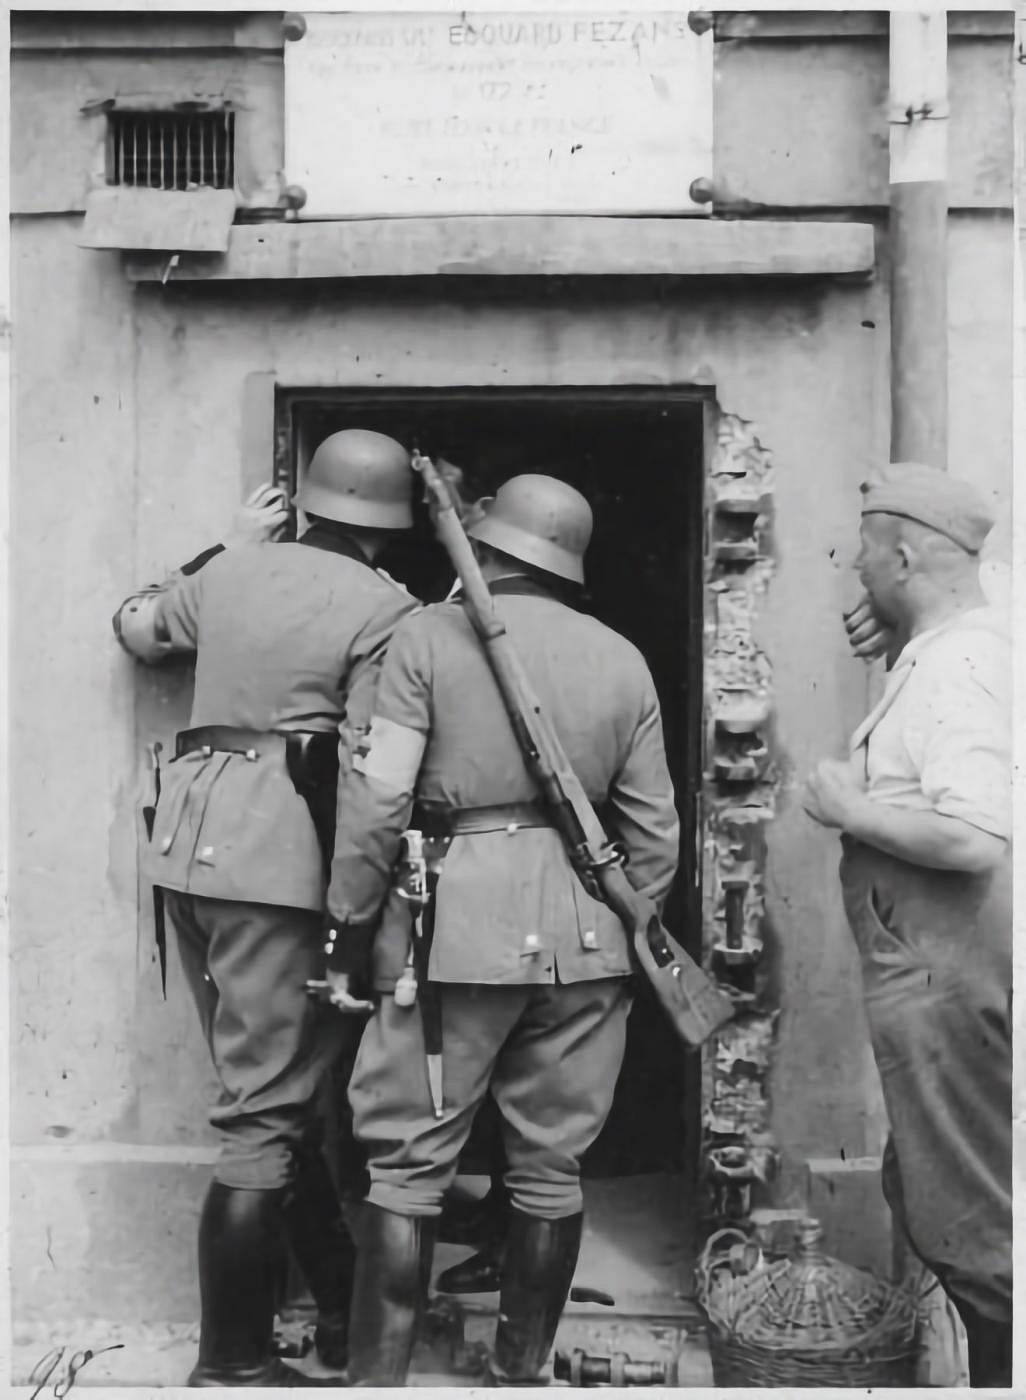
288, 641
528, 971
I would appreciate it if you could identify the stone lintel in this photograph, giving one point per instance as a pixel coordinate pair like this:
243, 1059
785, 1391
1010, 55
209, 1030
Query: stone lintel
525, 246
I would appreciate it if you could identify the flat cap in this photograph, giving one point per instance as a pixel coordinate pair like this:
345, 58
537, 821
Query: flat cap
944, 503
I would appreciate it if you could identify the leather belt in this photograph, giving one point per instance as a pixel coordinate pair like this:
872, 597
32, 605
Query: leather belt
225, 738
467, 821
311, 760
251, 743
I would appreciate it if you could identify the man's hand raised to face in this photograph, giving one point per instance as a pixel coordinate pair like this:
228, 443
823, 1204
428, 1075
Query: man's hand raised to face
868, 637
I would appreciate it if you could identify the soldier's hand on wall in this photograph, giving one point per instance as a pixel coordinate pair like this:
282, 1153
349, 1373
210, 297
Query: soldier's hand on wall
261, 518
868, 637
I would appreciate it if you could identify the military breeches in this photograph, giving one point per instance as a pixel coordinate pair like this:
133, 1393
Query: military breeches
550, 1054
271, 1044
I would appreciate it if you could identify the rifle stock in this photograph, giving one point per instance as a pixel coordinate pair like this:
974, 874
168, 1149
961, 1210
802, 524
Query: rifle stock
690, 998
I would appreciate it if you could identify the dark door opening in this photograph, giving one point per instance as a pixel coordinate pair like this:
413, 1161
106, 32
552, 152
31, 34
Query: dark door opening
637, 455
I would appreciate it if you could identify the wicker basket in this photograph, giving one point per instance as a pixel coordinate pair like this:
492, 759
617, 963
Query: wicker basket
802, 1321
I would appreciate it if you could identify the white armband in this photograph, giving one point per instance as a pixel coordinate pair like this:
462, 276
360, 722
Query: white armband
390, 754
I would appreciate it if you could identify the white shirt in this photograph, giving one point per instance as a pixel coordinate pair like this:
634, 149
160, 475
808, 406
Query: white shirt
940, 739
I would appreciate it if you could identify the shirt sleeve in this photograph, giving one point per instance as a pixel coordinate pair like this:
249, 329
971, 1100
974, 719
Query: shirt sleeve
959, 736
644, 811
376, 789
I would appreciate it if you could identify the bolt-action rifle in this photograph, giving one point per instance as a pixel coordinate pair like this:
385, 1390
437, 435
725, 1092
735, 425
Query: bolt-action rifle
693, 1002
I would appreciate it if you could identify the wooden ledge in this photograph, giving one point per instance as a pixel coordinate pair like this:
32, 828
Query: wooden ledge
525, 246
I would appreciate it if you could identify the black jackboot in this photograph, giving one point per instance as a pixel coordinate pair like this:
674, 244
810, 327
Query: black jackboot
241, 1256
481, 1273
325, 1253
393, 1269
481, 1223
537, 1271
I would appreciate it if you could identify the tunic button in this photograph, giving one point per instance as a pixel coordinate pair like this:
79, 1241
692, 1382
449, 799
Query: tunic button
165, 845
251, 755
512, 829
588, 939
532, 945
207, 855
206, 751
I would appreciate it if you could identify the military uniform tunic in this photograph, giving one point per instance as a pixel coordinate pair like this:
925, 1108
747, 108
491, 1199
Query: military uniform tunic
532, 970
287, 637
281, 633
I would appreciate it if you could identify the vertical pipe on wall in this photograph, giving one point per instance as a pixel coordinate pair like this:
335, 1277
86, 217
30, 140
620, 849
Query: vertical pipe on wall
918, 236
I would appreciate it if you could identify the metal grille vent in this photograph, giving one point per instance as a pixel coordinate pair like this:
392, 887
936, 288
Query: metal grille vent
172, 150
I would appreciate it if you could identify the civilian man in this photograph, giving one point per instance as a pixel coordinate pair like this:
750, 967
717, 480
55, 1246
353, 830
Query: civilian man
925, 814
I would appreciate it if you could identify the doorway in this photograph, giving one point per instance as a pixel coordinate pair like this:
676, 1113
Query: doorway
637, 454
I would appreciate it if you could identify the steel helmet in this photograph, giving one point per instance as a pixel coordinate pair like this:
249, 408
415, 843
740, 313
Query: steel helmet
540, 521
358, 477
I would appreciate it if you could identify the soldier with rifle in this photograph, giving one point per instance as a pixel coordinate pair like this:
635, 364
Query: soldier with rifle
288, 639
513, 973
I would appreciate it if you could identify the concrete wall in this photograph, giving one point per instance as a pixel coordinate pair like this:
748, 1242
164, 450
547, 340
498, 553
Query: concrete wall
132, 443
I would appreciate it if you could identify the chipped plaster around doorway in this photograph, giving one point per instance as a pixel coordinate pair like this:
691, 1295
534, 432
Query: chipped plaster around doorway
739, 790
